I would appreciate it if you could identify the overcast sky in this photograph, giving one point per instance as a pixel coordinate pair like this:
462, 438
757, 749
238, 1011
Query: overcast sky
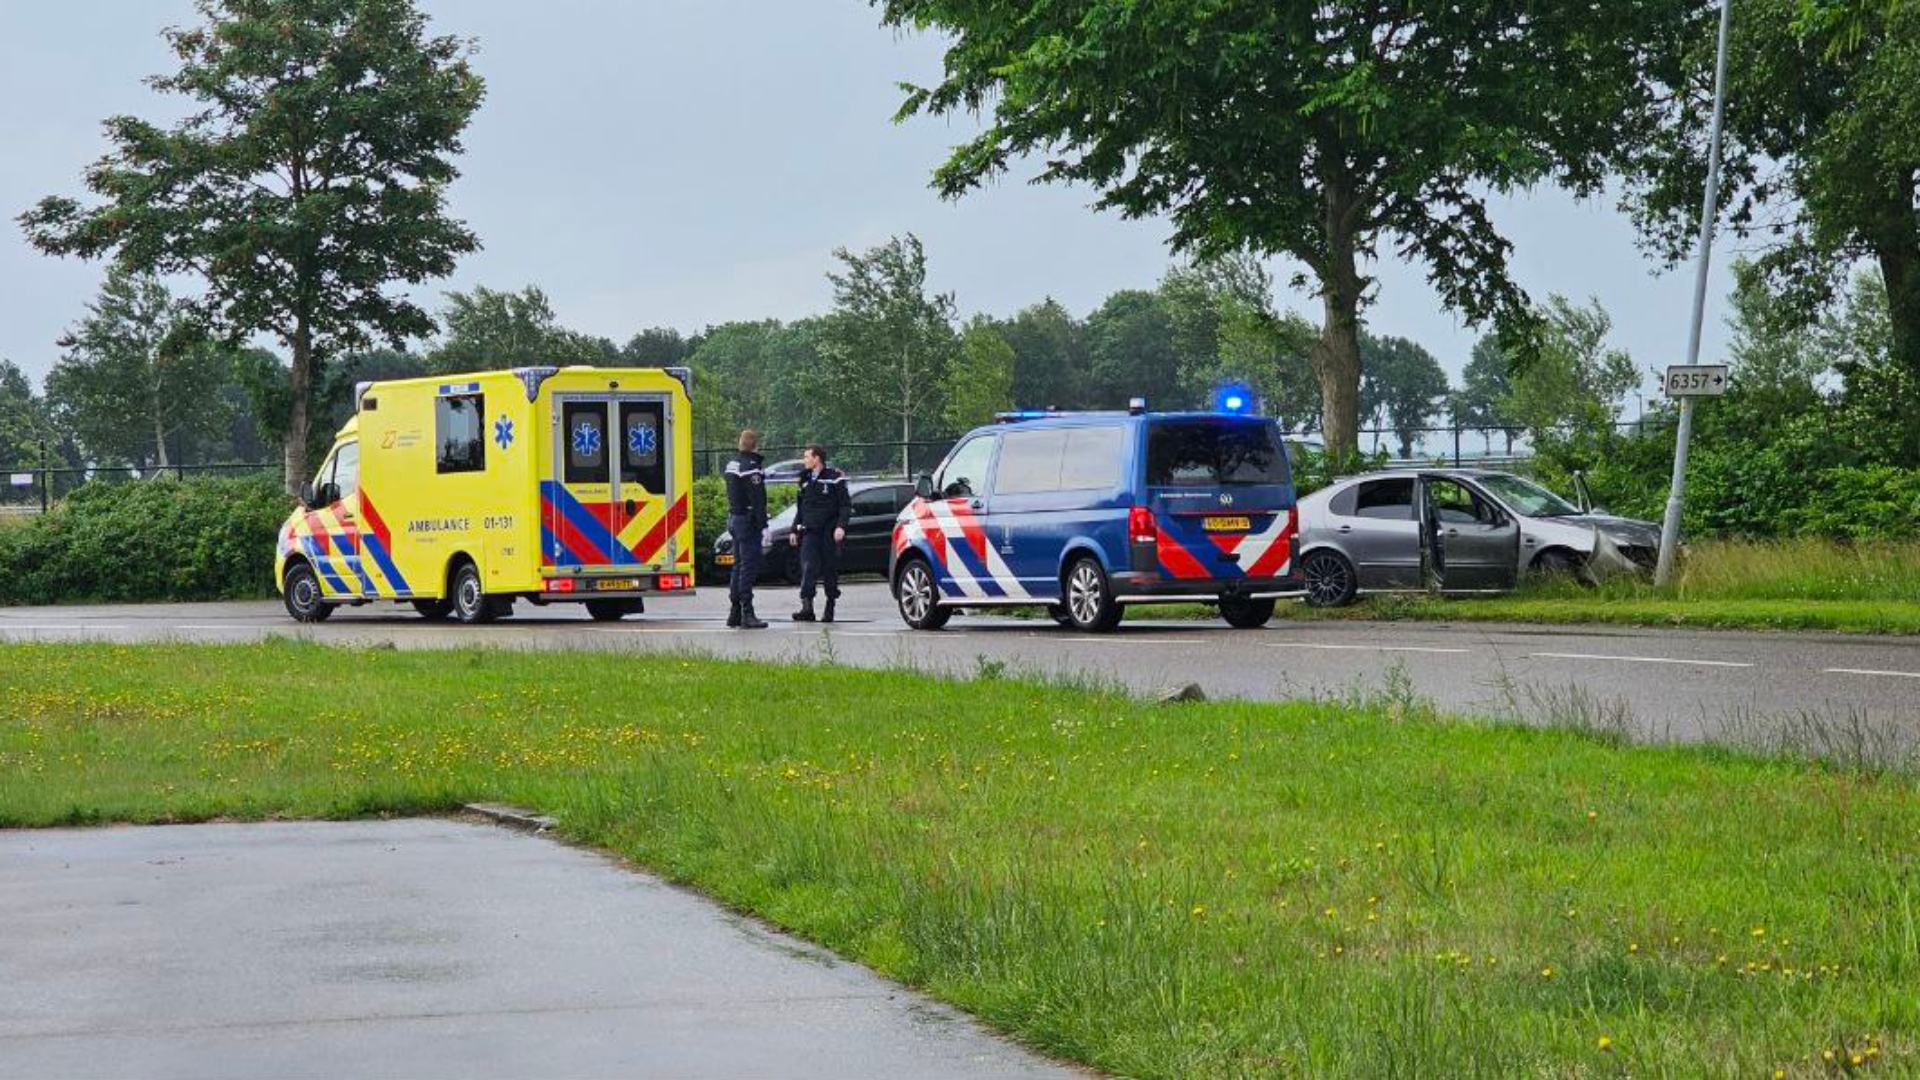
688, 162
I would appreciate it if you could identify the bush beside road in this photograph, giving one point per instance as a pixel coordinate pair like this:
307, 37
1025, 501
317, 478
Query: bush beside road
1360, 888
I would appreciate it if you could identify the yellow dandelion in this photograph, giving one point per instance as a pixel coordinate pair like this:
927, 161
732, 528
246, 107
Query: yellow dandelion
1605, 1044
1546, 973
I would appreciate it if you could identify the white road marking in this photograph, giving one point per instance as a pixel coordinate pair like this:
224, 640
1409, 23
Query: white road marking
1871, 671
60, 626
1639, 659
1362, 648
213, 626
1116, 640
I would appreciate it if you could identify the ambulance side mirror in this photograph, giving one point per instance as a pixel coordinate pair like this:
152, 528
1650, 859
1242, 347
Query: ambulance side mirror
306, 495
923, 486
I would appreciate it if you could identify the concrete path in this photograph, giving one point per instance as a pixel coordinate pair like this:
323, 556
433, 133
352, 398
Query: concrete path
423, 948
1660, 683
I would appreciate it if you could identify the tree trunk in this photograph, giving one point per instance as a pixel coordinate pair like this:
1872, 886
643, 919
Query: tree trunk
159, 433
1900, 269
301, 384
1336, 356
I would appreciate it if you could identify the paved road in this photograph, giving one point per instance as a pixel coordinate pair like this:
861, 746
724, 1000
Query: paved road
425, 948
1660, 683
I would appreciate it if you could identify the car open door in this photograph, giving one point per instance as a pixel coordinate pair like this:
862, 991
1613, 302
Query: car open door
1467, 542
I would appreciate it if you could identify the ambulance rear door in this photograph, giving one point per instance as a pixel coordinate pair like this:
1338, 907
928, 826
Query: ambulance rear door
606, 507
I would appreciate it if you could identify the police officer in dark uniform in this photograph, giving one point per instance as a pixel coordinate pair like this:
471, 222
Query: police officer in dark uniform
746, 520
819, 528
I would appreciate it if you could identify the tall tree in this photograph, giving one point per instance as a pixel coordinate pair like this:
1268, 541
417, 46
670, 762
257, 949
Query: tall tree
1049, 356
1575, 386
1401, 385
980, 382
309, 174
1226, 331
1481, 401
1821, 158
492, 328
1315, 131
888, 341
1130, 349
656, 346
25, 425
139, 376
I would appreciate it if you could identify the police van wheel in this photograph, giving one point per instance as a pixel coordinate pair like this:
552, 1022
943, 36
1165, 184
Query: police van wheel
1245, 613
470, 602
1058, 614
433, 609
919, 597
1090, 602
302, 595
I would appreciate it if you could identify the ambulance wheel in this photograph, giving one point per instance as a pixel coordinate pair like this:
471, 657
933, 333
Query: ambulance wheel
613, 610
471, 604
919, 595
433, 609
1090, 601
302, 595
1244, 613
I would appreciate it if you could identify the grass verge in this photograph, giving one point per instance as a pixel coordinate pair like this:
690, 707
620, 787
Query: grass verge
1224, 889
1859, 588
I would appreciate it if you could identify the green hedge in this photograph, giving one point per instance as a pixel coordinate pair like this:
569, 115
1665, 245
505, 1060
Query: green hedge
200, 539
710, 520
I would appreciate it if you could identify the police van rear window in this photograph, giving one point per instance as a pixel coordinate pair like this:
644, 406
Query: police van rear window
1214, 453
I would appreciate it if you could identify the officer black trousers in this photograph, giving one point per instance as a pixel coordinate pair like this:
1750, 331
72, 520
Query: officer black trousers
746, 559
819, 564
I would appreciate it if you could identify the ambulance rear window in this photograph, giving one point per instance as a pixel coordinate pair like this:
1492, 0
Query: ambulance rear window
456, 431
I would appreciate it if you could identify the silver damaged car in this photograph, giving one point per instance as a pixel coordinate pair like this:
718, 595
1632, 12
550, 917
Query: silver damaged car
1456, 530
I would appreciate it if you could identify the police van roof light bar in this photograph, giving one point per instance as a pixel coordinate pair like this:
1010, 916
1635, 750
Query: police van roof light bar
1018, 415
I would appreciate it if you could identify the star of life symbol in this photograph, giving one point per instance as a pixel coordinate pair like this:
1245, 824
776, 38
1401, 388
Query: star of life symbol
503, 432
586, 440
641, 439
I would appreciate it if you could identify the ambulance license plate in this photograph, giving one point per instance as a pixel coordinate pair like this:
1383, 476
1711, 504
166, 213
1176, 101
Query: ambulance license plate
616, 584
1228, 524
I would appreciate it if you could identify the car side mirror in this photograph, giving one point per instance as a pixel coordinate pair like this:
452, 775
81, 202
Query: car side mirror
923, 486
307, 495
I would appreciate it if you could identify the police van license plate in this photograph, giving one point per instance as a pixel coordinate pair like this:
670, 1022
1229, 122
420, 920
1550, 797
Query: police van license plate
1228, 524
723, 560
615, 584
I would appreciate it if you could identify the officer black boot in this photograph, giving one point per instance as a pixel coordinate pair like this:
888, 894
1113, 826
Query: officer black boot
748, 620
805, 614
827, 615
733, 614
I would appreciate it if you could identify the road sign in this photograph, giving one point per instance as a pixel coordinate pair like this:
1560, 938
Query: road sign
21, 479
1696, 380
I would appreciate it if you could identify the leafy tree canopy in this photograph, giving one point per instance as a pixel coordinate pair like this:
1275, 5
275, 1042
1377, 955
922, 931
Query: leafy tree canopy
1317, 131
309, 175
888, 342
980, 381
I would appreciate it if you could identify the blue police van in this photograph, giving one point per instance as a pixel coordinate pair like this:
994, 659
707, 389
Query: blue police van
1087, 513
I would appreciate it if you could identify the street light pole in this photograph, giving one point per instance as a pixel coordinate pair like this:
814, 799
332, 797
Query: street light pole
1676, 495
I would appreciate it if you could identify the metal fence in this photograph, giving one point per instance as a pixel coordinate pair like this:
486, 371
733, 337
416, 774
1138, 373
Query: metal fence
30, 489
1463, 445
891, 458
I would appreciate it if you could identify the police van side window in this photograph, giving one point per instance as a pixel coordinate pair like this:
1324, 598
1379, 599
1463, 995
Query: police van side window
1092, 458
456, 431
965, 474
1029, 462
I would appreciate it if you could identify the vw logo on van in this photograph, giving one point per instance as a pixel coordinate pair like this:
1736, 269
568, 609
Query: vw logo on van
1226, 498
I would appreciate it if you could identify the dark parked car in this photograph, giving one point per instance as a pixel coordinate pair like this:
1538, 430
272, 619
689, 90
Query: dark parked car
869, 535
1456, 530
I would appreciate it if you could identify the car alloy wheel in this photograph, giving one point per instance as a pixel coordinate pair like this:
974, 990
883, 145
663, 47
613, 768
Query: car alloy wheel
919, 597
1329, 580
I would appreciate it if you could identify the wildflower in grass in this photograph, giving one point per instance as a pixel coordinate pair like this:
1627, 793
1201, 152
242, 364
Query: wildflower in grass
1593, 815
1605, 1044
1199, 911
1758, 932
1856, 1061
1633, 948
1546, 972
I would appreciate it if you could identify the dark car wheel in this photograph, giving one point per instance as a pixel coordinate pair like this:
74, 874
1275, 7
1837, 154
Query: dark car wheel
919, 595
302, 595
1329, 578
1090, 602
433, 609
613, 610
1558, 565
1246, 613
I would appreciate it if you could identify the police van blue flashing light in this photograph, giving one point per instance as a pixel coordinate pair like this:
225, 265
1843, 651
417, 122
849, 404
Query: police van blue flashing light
1233, 398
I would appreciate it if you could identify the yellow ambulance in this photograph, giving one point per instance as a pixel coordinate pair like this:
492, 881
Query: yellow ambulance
461, 494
